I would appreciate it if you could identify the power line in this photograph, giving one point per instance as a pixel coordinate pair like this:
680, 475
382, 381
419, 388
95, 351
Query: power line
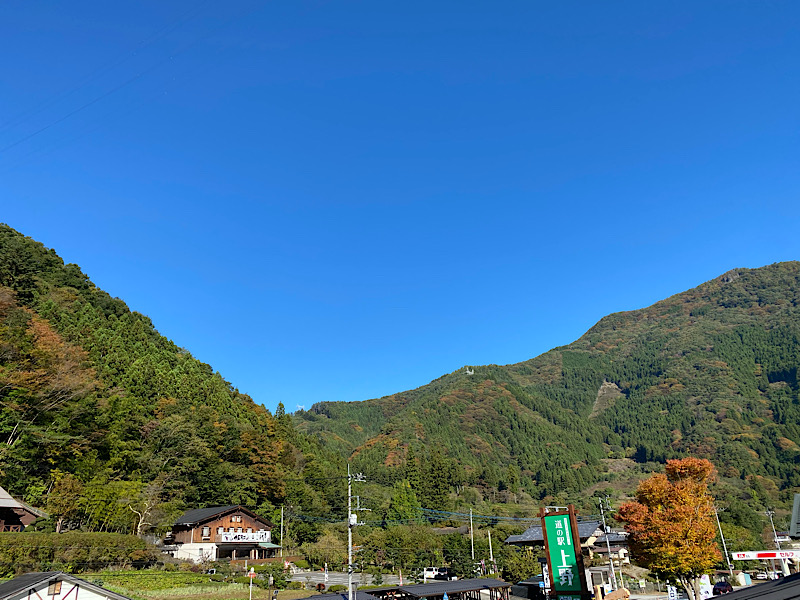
154, 37
127, 82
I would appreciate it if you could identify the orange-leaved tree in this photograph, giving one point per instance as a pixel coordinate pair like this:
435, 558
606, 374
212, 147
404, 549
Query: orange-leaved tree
671, 523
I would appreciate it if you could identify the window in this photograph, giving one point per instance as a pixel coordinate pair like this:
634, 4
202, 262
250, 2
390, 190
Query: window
238, 530
220, 529
206, 532
249, 530
53, 587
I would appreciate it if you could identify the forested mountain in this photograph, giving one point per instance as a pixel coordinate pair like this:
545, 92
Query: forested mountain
710, 372
103, 419
98, 406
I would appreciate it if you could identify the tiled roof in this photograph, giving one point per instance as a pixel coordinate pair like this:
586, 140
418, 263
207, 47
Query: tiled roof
614, 538
533, 535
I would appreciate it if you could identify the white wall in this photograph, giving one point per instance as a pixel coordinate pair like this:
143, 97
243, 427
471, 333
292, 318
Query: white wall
196, 552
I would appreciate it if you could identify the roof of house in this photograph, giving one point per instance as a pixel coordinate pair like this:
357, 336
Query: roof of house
359, 595
27, 581
200, 515
438, 588
6, 501
614, 538
604, 549
533, 535
784, 588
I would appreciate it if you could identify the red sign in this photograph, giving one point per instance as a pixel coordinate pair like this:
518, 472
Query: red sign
766, 554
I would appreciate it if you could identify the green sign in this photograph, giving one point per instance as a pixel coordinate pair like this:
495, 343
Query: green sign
563, 550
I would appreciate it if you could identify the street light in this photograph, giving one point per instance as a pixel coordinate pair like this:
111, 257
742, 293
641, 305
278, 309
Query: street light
724, 545
784, 567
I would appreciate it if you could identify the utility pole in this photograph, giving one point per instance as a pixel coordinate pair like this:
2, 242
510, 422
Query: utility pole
608, 545
471, 536
352, 521
491, 552
784, 567
724, 545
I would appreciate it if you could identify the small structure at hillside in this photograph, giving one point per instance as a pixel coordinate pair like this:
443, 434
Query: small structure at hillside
54, 585
230, 532
16, 515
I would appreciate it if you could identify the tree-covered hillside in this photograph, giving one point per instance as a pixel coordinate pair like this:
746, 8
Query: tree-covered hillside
102, 419
98, 406
710, 372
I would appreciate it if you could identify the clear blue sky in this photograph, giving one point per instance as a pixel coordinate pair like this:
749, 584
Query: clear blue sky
342, 200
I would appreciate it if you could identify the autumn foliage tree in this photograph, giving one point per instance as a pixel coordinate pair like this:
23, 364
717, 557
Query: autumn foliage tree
671, 523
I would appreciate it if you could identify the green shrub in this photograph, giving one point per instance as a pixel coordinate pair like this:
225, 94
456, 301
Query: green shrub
73, 552
294, 585
337, 588
302, 564
277, 571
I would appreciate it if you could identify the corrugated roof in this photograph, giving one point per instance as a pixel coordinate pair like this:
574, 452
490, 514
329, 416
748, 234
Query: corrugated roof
22, 583
438, 588
198, 515
533, 534
785, 588
359, 595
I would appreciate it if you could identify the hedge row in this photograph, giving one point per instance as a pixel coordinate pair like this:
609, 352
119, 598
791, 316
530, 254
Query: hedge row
72, 552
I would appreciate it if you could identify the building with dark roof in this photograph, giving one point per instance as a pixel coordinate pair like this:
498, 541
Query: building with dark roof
16, 515
783, 588
359, 595
221, 532
54, 585
462, 589
588, 531
618, 540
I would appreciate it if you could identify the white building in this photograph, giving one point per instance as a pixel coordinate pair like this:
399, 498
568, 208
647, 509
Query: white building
54, 585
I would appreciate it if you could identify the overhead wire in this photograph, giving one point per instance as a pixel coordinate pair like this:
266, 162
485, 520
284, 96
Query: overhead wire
185, 17
128, 81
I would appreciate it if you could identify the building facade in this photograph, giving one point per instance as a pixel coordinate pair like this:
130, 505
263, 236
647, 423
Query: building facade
221, 533
54, 585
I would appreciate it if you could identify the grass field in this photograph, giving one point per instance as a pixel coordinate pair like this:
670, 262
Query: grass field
161, 585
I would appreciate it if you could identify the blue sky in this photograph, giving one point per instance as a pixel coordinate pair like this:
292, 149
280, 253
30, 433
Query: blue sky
342, 200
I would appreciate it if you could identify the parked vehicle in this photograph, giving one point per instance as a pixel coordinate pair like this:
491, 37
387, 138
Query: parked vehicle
445, 574
722, 587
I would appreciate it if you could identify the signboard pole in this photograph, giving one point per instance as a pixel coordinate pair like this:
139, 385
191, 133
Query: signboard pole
563, 548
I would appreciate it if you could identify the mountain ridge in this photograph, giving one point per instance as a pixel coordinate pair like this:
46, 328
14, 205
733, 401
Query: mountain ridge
681, 363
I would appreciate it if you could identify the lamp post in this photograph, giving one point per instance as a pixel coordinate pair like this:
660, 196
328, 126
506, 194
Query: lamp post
724, 546
784, 567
